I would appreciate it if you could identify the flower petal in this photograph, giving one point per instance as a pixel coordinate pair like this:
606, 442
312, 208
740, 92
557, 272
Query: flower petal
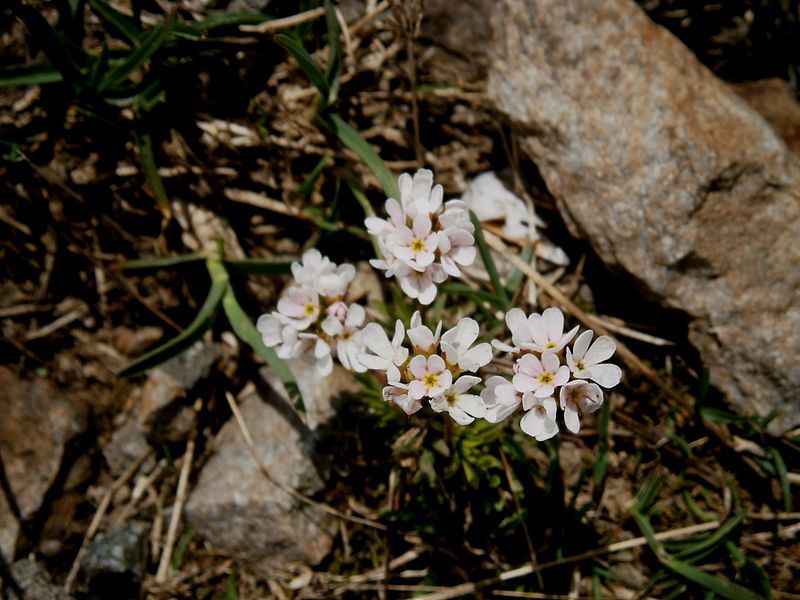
602, 349
471, 404
606, 375
475, 358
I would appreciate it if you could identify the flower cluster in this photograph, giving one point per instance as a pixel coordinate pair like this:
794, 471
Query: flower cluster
538, 344
312, 321
436, 368
423, 241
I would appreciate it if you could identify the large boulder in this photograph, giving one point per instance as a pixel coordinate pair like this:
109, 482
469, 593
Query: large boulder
669, 175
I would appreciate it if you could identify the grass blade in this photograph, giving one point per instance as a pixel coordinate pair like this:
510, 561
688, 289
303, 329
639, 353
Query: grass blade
722, 587
459, 289
307, 186
259, 266
333, 69
515, 278
151, 171
203, 320
783, 476
353, 140
247, 332
119, 22
306, 62
36, 74
488, 262
160, 262
150, 42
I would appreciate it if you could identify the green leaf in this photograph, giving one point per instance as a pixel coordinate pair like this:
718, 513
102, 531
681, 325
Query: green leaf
307, 64
515, 278
160, 262
460, 289
307, 186
181, 547
229, 19
353, 140
150, 42
35, 74
119, 22
601, 465
259, 266
724, 588
247, 332
488, 262
203, 320
709, 542
151, 171
783, 476
334, 67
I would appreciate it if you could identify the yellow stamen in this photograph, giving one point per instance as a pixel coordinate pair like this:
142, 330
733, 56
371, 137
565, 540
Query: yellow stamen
309, 309
417, 245
430, 380
546, 378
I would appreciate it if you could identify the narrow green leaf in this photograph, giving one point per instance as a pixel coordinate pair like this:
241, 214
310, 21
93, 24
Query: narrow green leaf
460, 289
150, 42
783, 476
181, 547
203, 320
353, 140
307, 186
488, 262
334, 67
515, 278
709, 542
35, 74
151, 171
120, 23
259, 266
601, 465
160, 262
724, 588
307, 64
229, 19
247, 332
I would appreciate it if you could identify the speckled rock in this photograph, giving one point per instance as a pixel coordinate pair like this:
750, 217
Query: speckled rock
669, 175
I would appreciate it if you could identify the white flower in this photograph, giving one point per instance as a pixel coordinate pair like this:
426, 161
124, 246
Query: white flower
270, 327
538, 332
456, 247
318, 273
540, 420
586, 362
316, 352
334, 283
463, 408
500, 399
388, 356
301, 306
399, 395
490, 200
431, 376
418, 195
456, 344
540, 377
423, 339
311, 266
416, 245
578, 397
380, 227
420, 285
344, 329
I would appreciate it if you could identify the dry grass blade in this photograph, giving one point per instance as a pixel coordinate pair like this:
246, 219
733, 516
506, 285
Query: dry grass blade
284, 23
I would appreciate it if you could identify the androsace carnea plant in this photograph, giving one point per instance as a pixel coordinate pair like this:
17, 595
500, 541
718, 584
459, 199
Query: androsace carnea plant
423, 241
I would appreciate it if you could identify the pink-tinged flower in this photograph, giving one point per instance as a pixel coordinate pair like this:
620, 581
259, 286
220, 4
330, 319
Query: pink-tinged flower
500, 399
398, 394
586, 362
416, 245
311, 266
301, 306
456, 215
345, 333
423, 339
463, 408
270, 327
457, 346
456, 247
577, 398
418, 195
387, 355
420, 285
316, 352
547, 331
431, 376
382, 227
540, 377
540, 419
334, 283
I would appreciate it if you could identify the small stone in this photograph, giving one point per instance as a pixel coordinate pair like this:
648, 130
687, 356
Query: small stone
237, 509
115, 563
127, 444
34, 580
38, 420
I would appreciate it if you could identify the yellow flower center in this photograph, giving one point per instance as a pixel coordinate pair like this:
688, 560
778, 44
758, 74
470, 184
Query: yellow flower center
580, 366
546, 378
309, 309
551, 345
430, 380
417, 245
